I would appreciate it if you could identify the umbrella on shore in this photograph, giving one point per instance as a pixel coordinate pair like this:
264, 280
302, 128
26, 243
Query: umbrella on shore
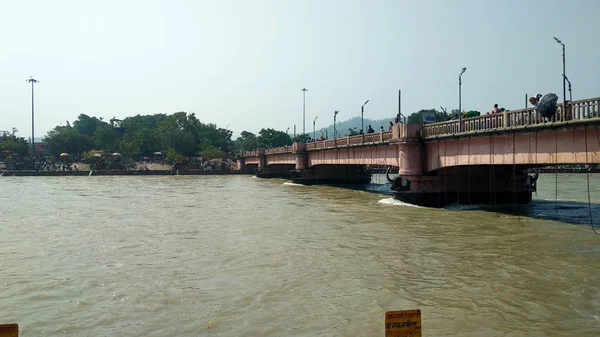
64, 154
157, 153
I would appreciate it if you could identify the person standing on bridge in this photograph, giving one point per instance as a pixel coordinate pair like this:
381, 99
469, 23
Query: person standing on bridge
495, 110
370, 129
391, 126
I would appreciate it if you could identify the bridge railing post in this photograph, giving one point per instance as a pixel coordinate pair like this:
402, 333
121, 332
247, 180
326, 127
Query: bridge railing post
505, 120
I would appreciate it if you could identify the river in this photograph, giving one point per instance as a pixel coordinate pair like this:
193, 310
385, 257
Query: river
240, 256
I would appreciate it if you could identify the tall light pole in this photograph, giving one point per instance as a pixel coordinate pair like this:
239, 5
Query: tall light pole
334, 127
32, 81
564, 76
314, 133
460, 99
570, 93
286, 132
362, 112
304, 90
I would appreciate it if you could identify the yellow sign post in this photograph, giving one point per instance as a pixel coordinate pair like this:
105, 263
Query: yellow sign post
406, 323
9, 330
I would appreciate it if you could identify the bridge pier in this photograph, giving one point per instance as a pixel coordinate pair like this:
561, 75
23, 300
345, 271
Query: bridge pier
332, 175
466, 185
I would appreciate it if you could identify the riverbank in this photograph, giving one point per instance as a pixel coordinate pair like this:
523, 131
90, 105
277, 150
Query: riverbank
31, 173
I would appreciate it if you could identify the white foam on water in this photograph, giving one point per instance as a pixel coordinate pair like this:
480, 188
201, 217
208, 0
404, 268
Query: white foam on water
254, 177
396, 202
292, 184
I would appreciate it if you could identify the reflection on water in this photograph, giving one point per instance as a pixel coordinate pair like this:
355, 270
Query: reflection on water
236, 256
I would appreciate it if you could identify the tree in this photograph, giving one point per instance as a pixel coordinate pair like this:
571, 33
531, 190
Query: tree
417, 117
13, 144
353, 132
173, 157
67, 139
303, 138
211, 152
268, 138
246, 141
106, 138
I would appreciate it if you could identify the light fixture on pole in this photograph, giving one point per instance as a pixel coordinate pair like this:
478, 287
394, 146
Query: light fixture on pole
564, 74
460, 99
362, 112
334, 127
314, 133
32, 81
304, 90
570, 93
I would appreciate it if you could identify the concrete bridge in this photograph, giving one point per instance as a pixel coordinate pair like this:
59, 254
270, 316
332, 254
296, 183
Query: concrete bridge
484, 158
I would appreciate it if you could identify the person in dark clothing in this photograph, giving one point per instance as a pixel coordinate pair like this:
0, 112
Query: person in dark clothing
391, 126
370, 129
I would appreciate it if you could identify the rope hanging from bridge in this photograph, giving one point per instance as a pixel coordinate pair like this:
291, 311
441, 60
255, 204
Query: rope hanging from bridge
587, 173
556, 170
492, 178
457, 173
469, 168
514, 179
439, 172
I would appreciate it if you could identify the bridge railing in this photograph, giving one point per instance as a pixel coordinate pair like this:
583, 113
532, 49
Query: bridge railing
576, 110
352, 140
276, 150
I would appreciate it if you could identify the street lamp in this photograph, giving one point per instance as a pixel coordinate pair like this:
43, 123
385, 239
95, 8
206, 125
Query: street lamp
460, 99
32, 81
362, 112
570, 93
304, 90
334, 128
314, 133
564, 76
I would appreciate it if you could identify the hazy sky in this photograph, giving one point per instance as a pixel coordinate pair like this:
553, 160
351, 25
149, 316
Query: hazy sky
243, 63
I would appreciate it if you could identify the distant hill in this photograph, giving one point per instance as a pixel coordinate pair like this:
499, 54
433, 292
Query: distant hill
354, 122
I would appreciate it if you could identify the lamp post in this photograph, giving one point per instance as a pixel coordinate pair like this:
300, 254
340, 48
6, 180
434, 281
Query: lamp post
334, 127
286, 132
564, 76
460, 99
314, 133
362, 112
32, 81
304, 90
570, 93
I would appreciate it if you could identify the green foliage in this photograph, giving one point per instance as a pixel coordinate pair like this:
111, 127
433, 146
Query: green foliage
246, 142
353, 132
67, 139
303, 138
173, 157
417, 117
181, 131
211, 152
13, 144
268, 138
